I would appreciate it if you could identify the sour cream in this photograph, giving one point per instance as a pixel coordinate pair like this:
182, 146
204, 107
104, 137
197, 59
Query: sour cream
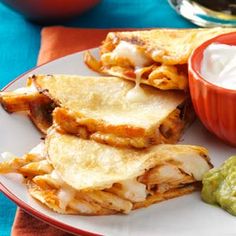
219, 65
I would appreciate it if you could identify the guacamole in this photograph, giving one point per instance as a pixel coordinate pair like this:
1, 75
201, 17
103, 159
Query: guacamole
219, 186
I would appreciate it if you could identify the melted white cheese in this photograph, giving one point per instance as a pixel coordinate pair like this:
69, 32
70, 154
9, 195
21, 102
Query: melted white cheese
136, 94
157, 53
57, 178
65, 195
130, 52
7, 156
38, 150
81, 207
44, 165
28, 89
139, 60
134, 190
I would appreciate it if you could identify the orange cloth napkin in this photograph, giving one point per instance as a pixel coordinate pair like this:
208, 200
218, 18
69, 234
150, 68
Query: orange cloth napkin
59, 41
56, 42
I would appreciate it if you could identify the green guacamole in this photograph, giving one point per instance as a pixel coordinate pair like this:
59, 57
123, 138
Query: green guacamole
219, 186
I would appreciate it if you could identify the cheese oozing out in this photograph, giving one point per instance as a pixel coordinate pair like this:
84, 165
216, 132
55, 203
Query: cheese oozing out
7, 156
131, 52
134, 190
138, 59
28, 89
136, 94
66, 195
38, 150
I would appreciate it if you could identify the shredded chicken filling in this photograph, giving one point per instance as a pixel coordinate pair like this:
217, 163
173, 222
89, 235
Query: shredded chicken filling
40, 108
121, 197
123, 58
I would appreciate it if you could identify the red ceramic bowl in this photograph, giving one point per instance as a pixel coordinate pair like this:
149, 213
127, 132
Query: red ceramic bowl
215, 106
50, 10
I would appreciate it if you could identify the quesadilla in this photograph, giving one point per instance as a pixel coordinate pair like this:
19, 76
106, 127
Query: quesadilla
105, 109
71, 175
155, 57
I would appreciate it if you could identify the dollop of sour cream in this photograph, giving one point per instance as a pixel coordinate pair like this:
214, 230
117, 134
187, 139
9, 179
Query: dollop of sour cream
219, 65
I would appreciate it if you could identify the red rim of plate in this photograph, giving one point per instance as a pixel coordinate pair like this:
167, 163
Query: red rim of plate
32, 211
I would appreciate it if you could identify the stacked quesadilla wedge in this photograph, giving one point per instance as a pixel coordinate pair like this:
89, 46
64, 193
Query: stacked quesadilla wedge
99, 108
71, 175
160, 55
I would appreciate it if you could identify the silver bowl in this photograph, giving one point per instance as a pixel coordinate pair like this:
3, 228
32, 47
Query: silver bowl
207, 13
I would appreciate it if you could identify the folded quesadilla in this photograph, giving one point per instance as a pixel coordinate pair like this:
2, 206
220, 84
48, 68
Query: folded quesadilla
155, 57
106, 109
71, 175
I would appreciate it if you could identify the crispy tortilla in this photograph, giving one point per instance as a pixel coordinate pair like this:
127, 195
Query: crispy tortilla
77, 176
86, 164
98, 108
166, 52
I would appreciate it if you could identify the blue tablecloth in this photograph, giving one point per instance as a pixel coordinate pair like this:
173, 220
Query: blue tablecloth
20, 42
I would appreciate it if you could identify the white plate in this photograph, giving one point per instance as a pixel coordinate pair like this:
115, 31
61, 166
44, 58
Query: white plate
185, 216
